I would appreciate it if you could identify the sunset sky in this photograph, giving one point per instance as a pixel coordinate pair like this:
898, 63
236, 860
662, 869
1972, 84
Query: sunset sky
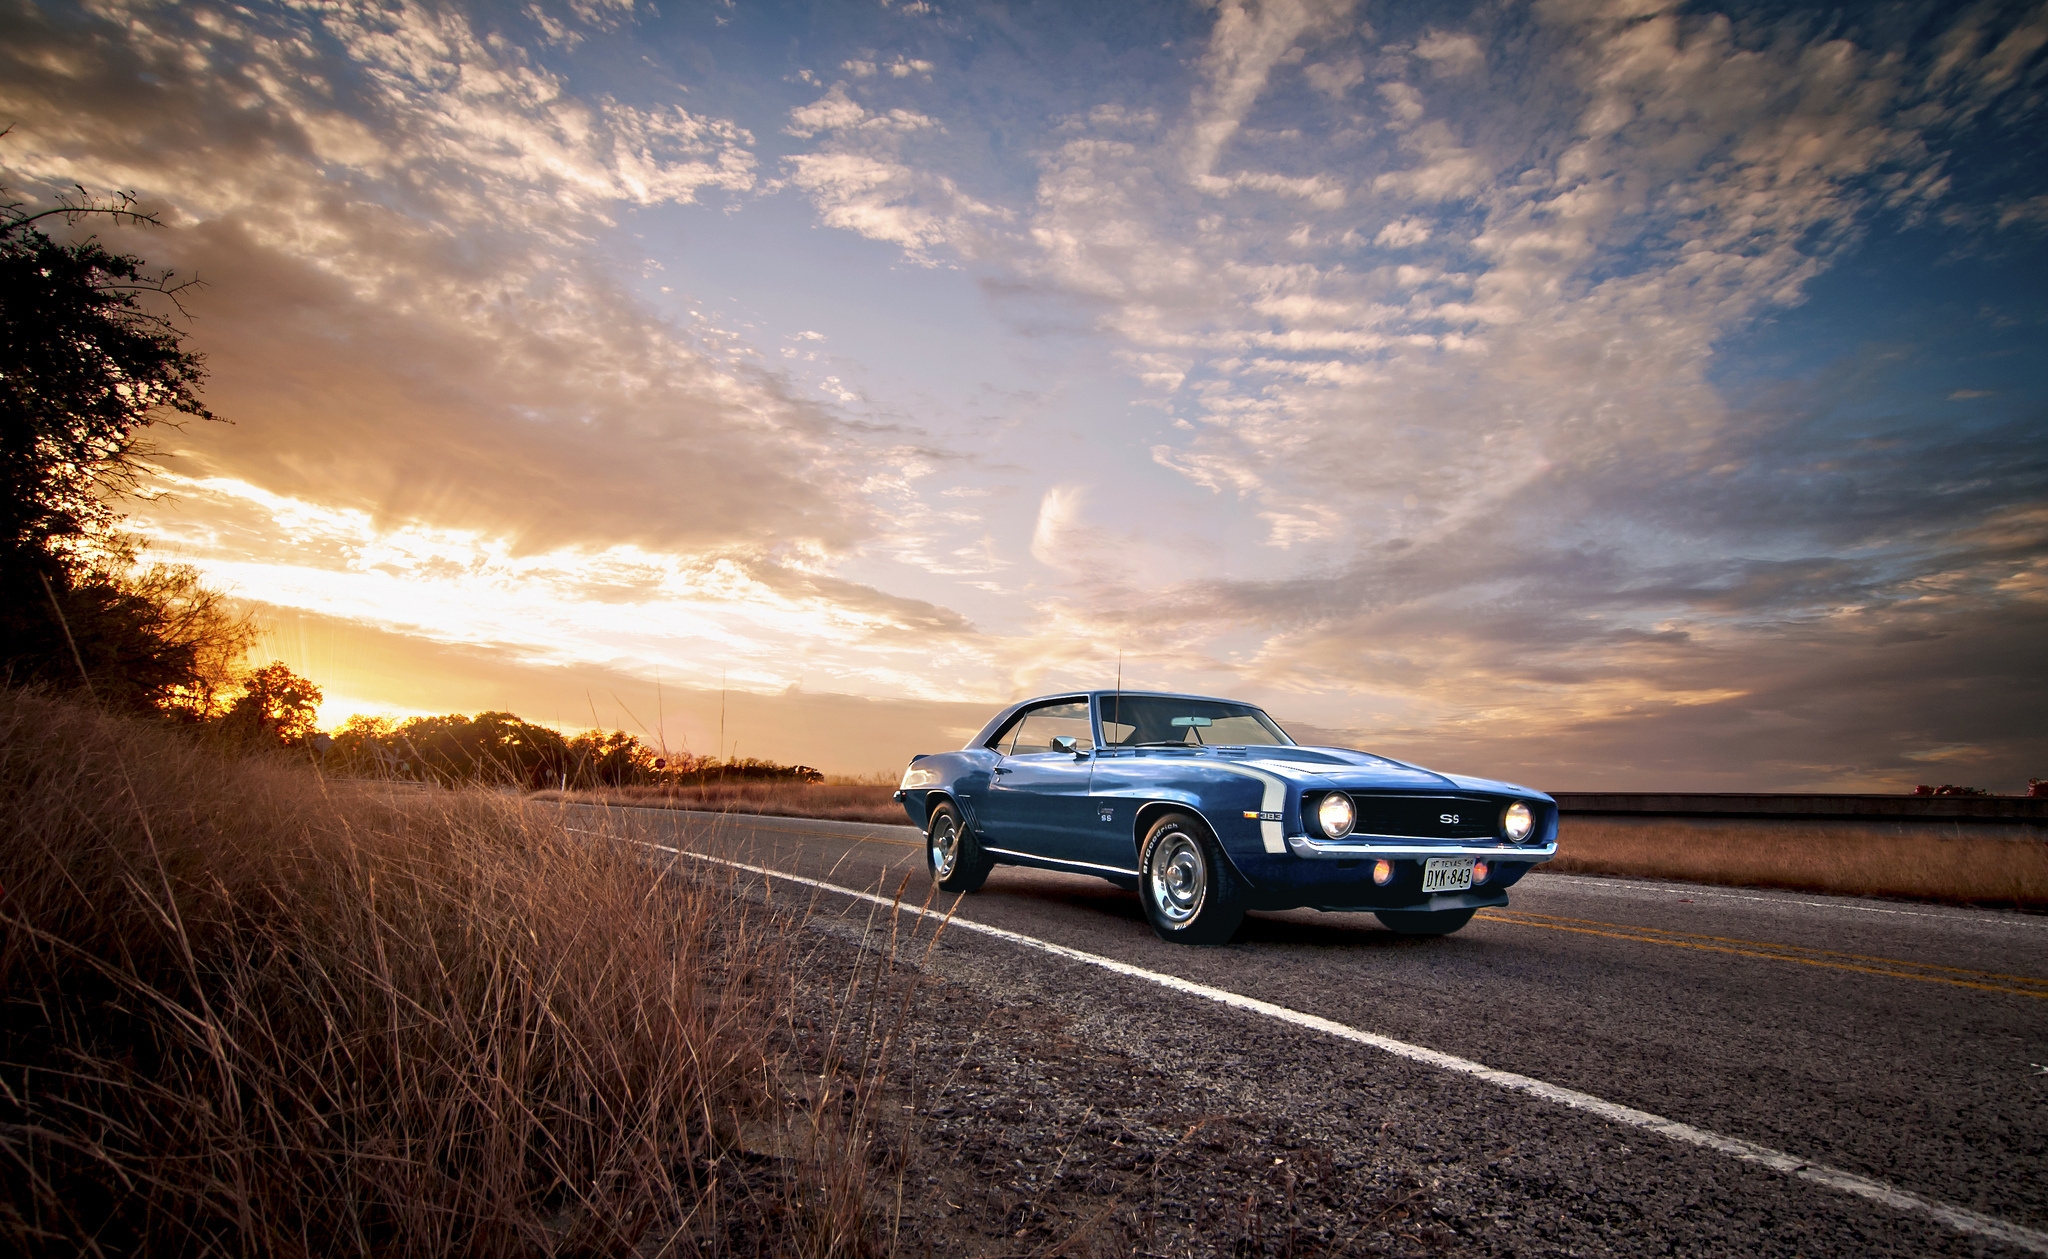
1593, 394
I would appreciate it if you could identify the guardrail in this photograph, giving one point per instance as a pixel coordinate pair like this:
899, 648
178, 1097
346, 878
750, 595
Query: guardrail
1835, 807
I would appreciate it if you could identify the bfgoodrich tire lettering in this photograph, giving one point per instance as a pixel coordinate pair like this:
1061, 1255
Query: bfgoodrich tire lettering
1190, 892
1418, 922
952, 855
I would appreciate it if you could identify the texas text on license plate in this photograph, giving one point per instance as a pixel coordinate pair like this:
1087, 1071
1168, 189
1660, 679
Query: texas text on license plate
1447, 874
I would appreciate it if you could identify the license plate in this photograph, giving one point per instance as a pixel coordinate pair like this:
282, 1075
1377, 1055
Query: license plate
1447, 874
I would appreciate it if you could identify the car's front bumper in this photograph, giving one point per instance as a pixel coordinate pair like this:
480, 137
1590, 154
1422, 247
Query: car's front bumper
1442, 902
1403, 847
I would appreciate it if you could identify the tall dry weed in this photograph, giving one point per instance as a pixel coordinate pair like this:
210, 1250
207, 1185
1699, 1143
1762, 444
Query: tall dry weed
250, 1011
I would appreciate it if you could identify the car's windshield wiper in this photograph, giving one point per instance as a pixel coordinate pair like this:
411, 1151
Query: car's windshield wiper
1165, 743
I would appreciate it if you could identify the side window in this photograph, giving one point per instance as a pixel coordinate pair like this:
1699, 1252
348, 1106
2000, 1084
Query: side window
1007, 736
1038, 727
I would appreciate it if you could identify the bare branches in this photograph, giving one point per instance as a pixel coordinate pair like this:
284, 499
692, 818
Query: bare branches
119, 205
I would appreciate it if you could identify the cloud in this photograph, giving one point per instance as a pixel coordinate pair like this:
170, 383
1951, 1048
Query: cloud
450, 413
860, 182
836, 111
1450, 53
1403, 102
1403, 232
1336, 78
2026, 212
889, 201
1054, 539
410, 259
1522, 480
829, 112
1247, 42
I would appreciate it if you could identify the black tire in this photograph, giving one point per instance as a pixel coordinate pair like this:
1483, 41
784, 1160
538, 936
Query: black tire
1190, 891
958, 866
1422, 922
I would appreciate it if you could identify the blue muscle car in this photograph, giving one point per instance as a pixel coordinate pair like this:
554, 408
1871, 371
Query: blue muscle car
1206, 808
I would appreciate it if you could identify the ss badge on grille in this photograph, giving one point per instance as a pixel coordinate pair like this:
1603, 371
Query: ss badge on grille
1448, 819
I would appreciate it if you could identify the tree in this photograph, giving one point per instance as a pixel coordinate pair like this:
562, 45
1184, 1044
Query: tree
617, 759
84, 368
212, 638
276, 706
367, 745
490, 747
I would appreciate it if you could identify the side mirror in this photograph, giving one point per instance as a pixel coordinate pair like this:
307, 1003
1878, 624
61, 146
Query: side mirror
1064, 743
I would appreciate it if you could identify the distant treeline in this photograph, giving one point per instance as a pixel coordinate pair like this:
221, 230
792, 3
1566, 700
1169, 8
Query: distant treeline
499, 748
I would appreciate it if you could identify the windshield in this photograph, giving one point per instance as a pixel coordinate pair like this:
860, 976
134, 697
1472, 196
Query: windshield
1136, 720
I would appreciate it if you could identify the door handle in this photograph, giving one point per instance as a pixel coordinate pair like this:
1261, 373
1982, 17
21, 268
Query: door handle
1000, 769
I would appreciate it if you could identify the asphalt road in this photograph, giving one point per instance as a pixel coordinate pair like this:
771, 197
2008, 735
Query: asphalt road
1904, 1043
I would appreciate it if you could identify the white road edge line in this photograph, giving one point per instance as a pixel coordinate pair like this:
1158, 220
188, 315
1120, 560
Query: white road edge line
1958, 1218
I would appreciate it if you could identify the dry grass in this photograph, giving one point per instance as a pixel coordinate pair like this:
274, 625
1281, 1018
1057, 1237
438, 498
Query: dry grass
1952, 865
249, 1012
834, 801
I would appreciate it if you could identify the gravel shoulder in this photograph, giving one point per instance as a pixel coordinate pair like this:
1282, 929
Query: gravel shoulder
1054, 1110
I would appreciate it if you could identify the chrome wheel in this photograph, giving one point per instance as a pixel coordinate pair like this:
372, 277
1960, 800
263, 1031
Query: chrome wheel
1179, 877
952, 854
1191, 892
944, 841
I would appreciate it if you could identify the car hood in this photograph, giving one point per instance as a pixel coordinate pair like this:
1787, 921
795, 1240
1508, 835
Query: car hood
1348, 768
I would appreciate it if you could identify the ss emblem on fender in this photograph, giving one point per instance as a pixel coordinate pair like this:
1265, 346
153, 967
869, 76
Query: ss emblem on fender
1448, 819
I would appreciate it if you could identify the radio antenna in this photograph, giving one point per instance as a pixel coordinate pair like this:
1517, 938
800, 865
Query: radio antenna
1117, 709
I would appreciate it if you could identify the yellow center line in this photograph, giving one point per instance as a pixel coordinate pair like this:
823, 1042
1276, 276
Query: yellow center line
1519, 915
1645, 936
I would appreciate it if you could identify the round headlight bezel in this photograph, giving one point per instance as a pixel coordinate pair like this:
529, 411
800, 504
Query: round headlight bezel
1518, 822
1336, 815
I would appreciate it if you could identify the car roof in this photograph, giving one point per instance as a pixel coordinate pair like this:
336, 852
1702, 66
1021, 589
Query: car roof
1106, 692
1111, 692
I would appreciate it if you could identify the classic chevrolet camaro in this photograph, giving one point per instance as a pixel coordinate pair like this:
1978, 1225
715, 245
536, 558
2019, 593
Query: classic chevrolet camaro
1207, 808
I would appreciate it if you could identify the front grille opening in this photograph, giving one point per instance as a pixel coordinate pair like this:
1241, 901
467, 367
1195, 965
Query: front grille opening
1428, 817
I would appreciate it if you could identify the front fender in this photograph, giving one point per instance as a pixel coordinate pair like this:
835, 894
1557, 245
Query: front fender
1220, 806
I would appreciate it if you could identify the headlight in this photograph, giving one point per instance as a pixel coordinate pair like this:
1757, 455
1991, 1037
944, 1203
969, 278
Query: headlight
914, 777
1335, 815
1520, 821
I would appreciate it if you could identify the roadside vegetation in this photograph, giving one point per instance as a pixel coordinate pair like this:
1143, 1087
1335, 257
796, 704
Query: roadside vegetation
248, 1009
1960, 867
499, 749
